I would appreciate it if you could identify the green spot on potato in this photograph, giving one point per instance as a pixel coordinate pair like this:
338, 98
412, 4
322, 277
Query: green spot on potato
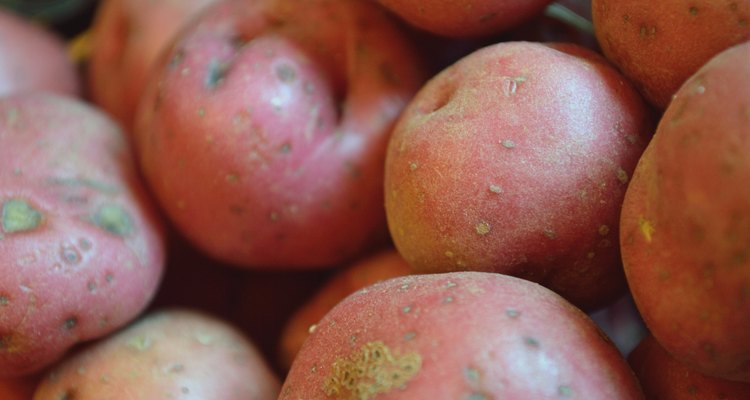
19, 216
217, 70
472, 374
531, 342
113, 219
4, 300
564, 391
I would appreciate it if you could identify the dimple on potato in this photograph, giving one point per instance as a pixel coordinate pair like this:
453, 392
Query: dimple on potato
458, 335
168, 354
81, 243
264, 132
515, 160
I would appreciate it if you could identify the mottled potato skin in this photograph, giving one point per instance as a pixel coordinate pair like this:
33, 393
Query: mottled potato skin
384, 264
168, 354
33, 58
515, 160
664, 378
81, 247
127, 38
685, 227
264, 135
659, 44
465, 18
459, 335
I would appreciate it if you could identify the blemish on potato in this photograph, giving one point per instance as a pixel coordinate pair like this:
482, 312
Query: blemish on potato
312, 328
508, 144
477, 396
447, 299
373, 369
201, 112
286, 73
472, 374
510, 85
622, 176
113, 219
176, 59
69, 255
647, 31
482, 228
495, 189
19, 216
70, 323
409, 336
549, 232
512, 313
564, 391
413, 166
217, 70
693, 10
406, 309
531, 341
604, 230
646, 228
4, 300
109, 278
68, 394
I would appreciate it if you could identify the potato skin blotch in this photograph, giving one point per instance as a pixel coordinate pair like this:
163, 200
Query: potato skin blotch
113, 219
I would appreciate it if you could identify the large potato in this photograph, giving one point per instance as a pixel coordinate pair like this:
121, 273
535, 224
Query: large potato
263, 136
81, 248
685, 228
127, 38
169, 354
33, 58
659, 44
459, 335
515, 159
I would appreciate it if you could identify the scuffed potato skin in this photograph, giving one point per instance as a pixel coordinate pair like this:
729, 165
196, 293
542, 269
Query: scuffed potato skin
81, 245
264, 135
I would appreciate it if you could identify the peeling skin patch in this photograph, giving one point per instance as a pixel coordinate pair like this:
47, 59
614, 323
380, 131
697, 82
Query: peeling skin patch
113, 219
373, 369
20, 216
646, 228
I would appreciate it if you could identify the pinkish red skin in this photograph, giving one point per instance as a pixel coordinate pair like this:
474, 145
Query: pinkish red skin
663, 377
72, 276
127, 38
515, 160
33, 58
685, 224
466, 18
264, 135
171, 353
478, 335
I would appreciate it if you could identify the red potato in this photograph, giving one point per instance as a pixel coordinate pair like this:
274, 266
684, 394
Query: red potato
169, 354
81, 246
459, 335
33, 58
127, 38
21, 388
515, 160
659, 44
384, 264
664, 378
466, 18
685, 227
263, 137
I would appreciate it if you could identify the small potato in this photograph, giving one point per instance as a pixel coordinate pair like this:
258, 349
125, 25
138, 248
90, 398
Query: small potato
466, 18
664, 378
458, 335
660, 44
685, 222
81, 246
33, 58
263, 134
384, 264
515, 160
169, 354
127, 38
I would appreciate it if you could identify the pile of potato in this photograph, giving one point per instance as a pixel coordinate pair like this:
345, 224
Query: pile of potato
360, 199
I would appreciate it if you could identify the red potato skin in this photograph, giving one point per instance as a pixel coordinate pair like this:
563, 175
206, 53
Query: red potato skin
173, 353
34, 58
685, 224
21, 388
660, 44
284, 112
664, 378
93, 256
382, 265
127, 38
515, 160
466, 18
459, 335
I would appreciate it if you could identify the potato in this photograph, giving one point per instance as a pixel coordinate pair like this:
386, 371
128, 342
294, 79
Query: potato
382, 265
659, 44
169, 354
515, 160
458, 335
81, 245
466, 18
664, 378
685, 227
279, 113
33, 58
20, 388
127, 38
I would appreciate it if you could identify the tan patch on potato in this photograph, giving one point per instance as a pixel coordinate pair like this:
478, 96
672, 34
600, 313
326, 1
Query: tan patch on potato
370, 371
646, 228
